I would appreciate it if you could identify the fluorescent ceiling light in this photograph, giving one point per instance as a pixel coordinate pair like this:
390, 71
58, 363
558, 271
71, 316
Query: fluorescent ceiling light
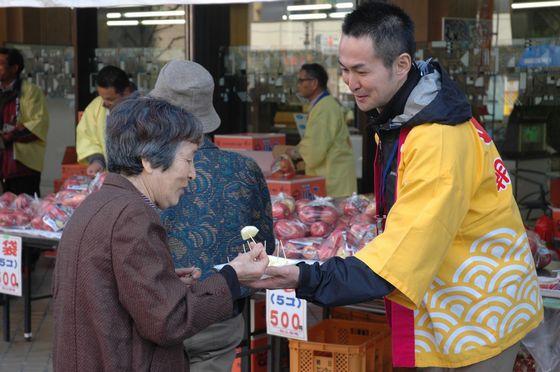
305, 16
338, 14
161, 13
296, 8
123, 23
535, 4
113, 15
344, 5
151, 22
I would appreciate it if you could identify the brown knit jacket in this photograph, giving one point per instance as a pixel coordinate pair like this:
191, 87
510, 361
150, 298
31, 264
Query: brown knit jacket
118, 304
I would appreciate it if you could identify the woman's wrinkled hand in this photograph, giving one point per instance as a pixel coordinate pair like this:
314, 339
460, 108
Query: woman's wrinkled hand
188, 275
250, 266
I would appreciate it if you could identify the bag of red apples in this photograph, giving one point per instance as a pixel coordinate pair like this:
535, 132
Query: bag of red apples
318, 229
50, 213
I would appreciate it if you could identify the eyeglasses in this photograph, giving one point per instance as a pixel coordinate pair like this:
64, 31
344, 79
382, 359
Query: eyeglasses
299, 80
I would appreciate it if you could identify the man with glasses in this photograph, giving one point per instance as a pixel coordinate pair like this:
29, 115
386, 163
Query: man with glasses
325, 146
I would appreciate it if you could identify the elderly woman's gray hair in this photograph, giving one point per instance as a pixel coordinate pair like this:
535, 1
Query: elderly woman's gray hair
150, 129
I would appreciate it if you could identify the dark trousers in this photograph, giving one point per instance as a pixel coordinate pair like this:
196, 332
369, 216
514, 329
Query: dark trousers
26, 184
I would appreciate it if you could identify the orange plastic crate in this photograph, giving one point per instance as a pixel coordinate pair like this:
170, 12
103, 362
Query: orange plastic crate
337, 345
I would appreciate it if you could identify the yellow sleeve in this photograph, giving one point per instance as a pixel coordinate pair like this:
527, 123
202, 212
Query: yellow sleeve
34, 114
435, 186
320, 133
87, 131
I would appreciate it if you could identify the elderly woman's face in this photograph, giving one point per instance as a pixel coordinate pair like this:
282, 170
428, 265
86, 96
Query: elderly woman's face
169, 184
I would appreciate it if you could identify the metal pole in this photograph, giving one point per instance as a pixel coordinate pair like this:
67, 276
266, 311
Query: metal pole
27, 334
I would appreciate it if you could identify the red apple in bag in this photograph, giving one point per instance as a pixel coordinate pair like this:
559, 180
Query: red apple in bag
371, 210
320, 229
301, 203
280, 210
289, 229
329, 215
309, 214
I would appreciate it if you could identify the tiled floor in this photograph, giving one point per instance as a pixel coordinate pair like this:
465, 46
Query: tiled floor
19, 355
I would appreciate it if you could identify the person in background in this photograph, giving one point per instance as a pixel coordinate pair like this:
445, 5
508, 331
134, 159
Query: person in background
325, 147
113, 85
230, 192
452, 257
24, 121
119, 304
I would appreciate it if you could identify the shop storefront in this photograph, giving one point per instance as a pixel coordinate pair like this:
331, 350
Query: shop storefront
504, 55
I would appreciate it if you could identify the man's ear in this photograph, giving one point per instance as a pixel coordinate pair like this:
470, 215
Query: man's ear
147, 166
402, 65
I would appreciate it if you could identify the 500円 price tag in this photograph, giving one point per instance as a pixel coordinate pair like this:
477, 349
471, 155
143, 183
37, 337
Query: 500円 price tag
10, 265
286, 315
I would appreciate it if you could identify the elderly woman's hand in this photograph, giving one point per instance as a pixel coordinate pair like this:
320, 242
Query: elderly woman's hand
188, 275
251, 265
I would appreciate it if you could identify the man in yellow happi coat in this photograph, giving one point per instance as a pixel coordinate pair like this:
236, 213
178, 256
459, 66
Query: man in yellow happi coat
453, 260
24, 121
113, 85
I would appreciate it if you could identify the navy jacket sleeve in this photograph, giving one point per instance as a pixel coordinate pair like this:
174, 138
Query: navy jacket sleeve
339, 282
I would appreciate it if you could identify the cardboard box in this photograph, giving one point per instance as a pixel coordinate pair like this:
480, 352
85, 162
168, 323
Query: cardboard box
264, 159
70, 165
258, 360
300, 187
250, 141
69, 170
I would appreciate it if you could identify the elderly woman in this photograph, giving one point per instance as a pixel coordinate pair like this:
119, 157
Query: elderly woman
118, 303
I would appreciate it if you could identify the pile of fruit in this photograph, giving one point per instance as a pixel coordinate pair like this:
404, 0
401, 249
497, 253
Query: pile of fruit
322, 228
50, 213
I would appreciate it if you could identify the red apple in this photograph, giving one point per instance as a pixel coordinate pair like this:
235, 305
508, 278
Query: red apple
329, 215
279, 210
309, 214
319, 228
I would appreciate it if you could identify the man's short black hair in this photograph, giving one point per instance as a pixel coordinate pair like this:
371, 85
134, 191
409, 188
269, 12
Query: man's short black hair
388, 26
316, 71
14, 58
113, 77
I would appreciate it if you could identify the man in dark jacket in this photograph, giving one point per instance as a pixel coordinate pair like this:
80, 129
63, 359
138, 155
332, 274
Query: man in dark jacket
452, 257
229, 193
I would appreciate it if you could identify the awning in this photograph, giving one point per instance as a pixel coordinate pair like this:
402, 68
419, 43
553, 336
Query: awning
108, 3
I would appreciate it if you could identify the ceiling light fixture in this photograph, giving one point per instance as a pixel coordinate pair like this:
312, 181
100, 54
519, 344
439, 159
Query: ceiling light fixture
338, 14
535, 4
344, 5
113, 15
306, 16
297, 8
123, 23
158, 13
152, 22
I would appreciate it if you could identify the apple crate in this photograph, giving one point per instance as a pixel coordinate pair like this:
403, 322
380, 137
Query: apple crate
337, 345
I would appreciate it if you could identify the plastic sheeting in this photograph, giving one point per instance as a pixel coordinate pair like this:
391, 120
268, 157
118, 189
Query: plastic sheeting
544, 342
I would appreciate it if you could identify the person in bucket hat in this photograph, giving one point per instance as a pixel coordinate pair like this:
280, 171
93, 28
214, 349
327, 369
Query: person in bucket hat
229, 192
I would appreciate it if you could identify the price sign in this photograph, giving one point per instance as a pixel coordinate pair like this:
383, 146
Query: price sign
10, 265
286, 315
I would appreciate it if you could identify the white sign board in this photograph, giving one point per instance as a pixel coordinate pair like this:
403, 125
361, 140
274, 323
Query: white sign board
10, 265
286, 315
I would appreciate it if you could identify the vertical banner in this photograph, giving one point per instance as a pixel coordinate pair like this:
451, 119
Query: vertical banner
286, 315
10, 265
